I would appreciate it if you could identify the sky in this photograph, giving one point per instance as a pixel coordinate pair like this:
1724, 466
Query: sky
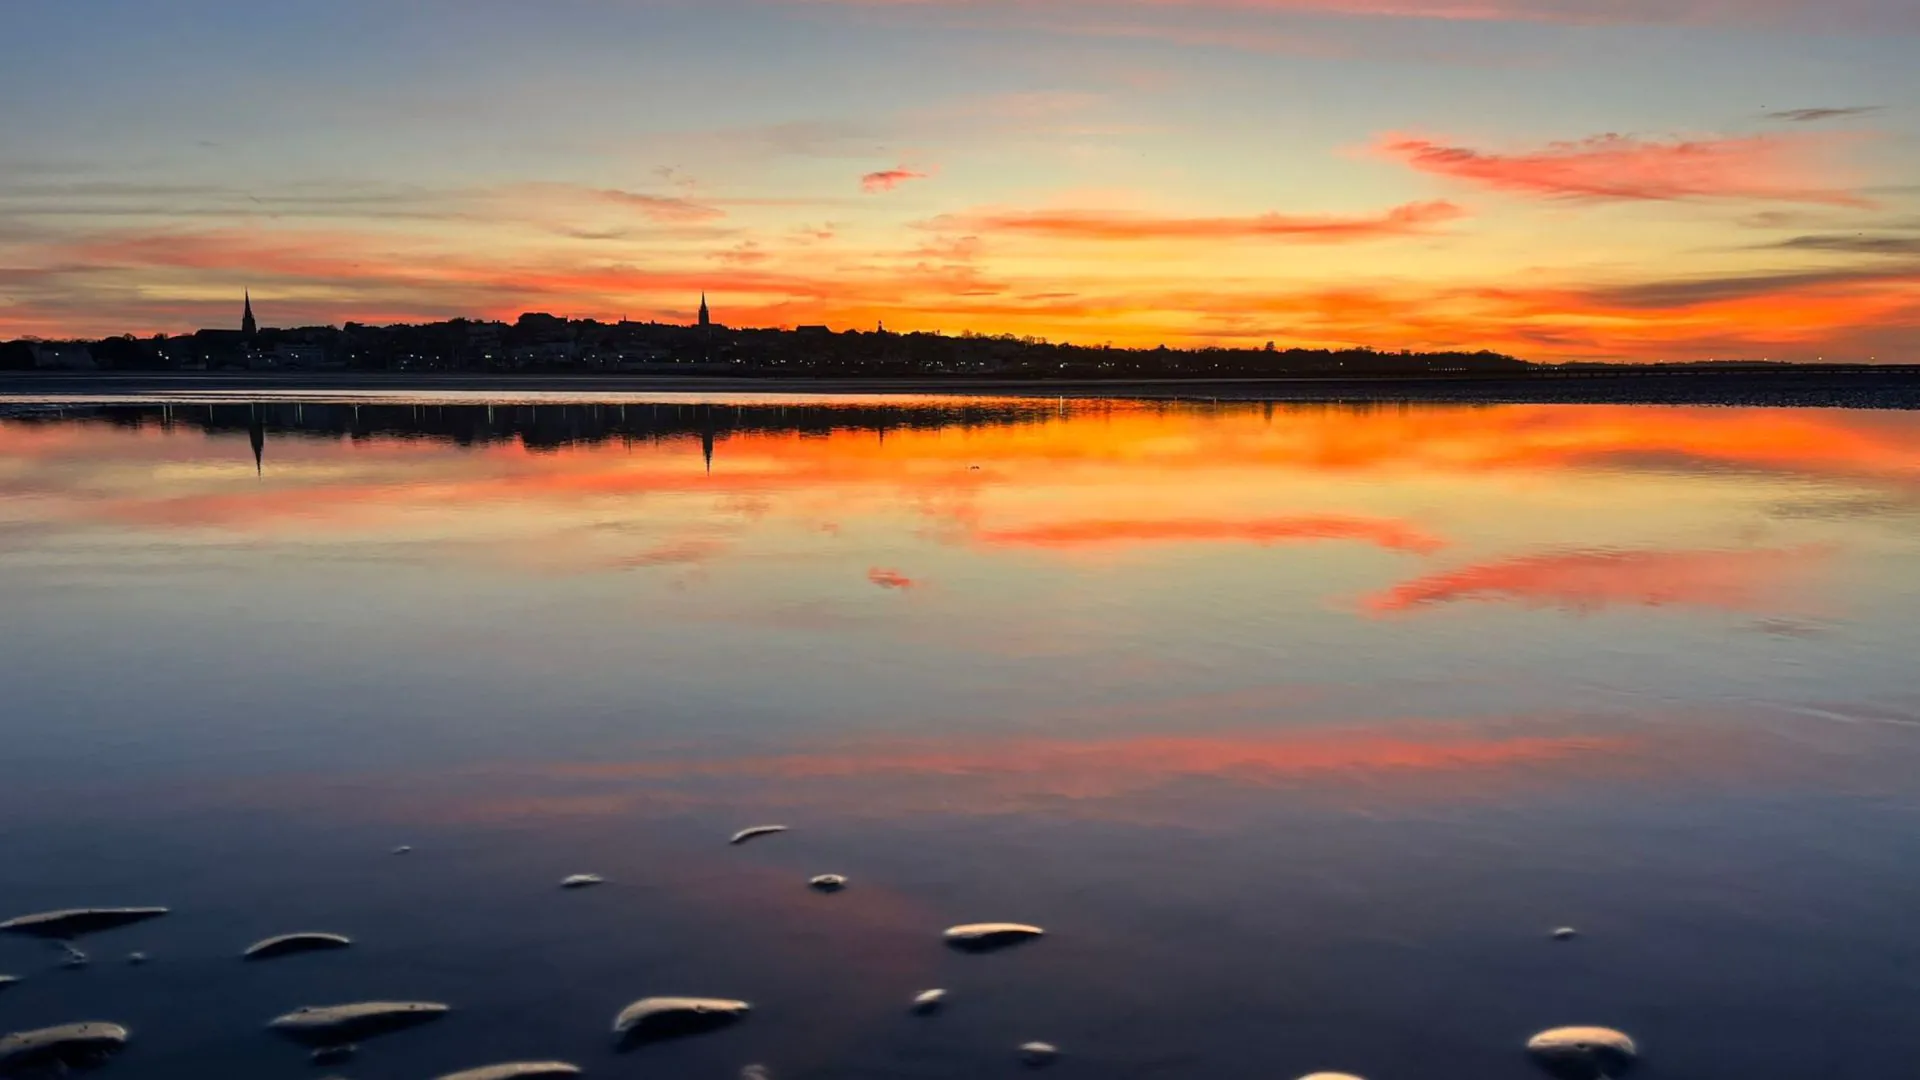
1558, 179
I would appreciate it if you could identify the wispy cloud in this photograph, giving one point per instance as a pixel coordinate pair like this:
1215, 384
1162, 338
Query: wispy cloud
1407, 220
667, 209
1854, 244
887, 179
1780, 168
1814, 116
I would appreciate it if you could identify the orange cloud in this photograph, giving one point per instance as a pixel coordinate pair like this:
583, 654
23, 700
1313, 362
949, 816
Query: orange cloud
887, 179
1591, 580
1850, 312
1073, 534
890, 579
1412, 218
1623, 167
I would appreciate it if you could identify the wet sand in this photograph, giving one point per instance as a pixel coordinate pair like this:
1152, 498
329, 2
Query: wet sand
1813, 387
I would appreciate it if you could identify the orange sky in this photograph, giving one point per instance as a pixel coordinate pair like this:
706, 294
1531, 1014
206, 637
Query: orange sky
1559, 179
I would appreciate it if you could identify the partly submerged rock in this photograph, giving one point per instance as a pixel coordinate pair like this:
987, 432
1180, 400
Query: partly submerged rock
985, 937
74, 959
755, 1072
290, 944
403, 849
136, 958
1565, 933
75, 922
745, 835
928, 1001
54, 1050
333, 1055
1036, 1054
582, 881
1583, 1053
8, 980
827, 883
517, 1070
655, 1018
337, 1025
1329, 1076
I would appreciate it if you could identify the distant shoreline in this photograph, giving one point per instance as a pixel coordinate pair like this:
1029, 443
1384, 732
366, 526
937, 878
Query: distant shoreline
1810, 387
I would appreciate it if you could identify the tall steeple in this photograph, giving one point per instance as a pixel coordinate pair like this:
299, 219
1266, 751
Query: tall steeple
706, 317
247, 325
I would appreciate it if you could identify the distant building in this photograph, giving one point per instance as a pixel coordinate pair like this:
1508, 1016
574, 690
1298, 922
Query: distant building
299, 355
248, 328
706, 317
66, 356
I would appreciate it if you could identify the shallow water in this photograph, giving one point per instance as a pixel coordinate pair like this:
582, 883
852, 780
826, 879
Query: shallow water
1299, 730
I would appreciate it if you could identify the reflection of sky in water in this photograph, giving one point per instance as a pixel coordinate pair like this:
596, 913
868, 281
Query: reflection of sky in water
1300, 727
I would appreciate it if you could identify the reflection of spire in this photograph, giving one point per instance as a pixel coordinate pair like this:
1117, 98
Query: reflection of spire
706, 435
257, 435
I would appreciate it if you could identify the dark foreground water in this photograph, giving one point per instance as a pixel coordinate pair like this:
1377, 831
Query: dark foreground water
1299, 729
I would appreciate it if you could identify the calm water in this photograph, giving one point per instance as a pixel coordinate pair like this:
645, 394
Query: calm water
1299, 729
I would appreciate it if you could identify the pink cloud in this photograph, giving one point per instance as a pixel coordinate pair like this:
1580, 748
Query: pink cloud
1624, 167
887, 179
1412, 218
1742, 580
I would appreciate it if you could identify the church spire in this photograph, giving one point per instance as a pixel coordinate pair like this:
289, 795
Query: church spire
706, 317
247, 325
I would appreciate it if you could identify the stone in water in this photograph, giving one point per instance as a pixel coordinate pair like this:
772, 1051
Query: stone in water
136, 958
403, 849
290, 944
582, 881
1565, 933
745, 835
517, 1070
55, 1050
985, 937
1330, 1076
337, 1025
929, 1001
755, 1072
74, 922
1037, 1054
655, 1018
1583, 1053
828, 883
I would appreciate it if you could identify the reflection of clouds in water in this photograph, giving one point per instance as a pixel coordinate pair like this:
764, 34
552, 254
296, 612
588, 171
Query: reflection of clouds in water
1845, 507
1738, 580
1394, 535
891, 579
1127, 778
